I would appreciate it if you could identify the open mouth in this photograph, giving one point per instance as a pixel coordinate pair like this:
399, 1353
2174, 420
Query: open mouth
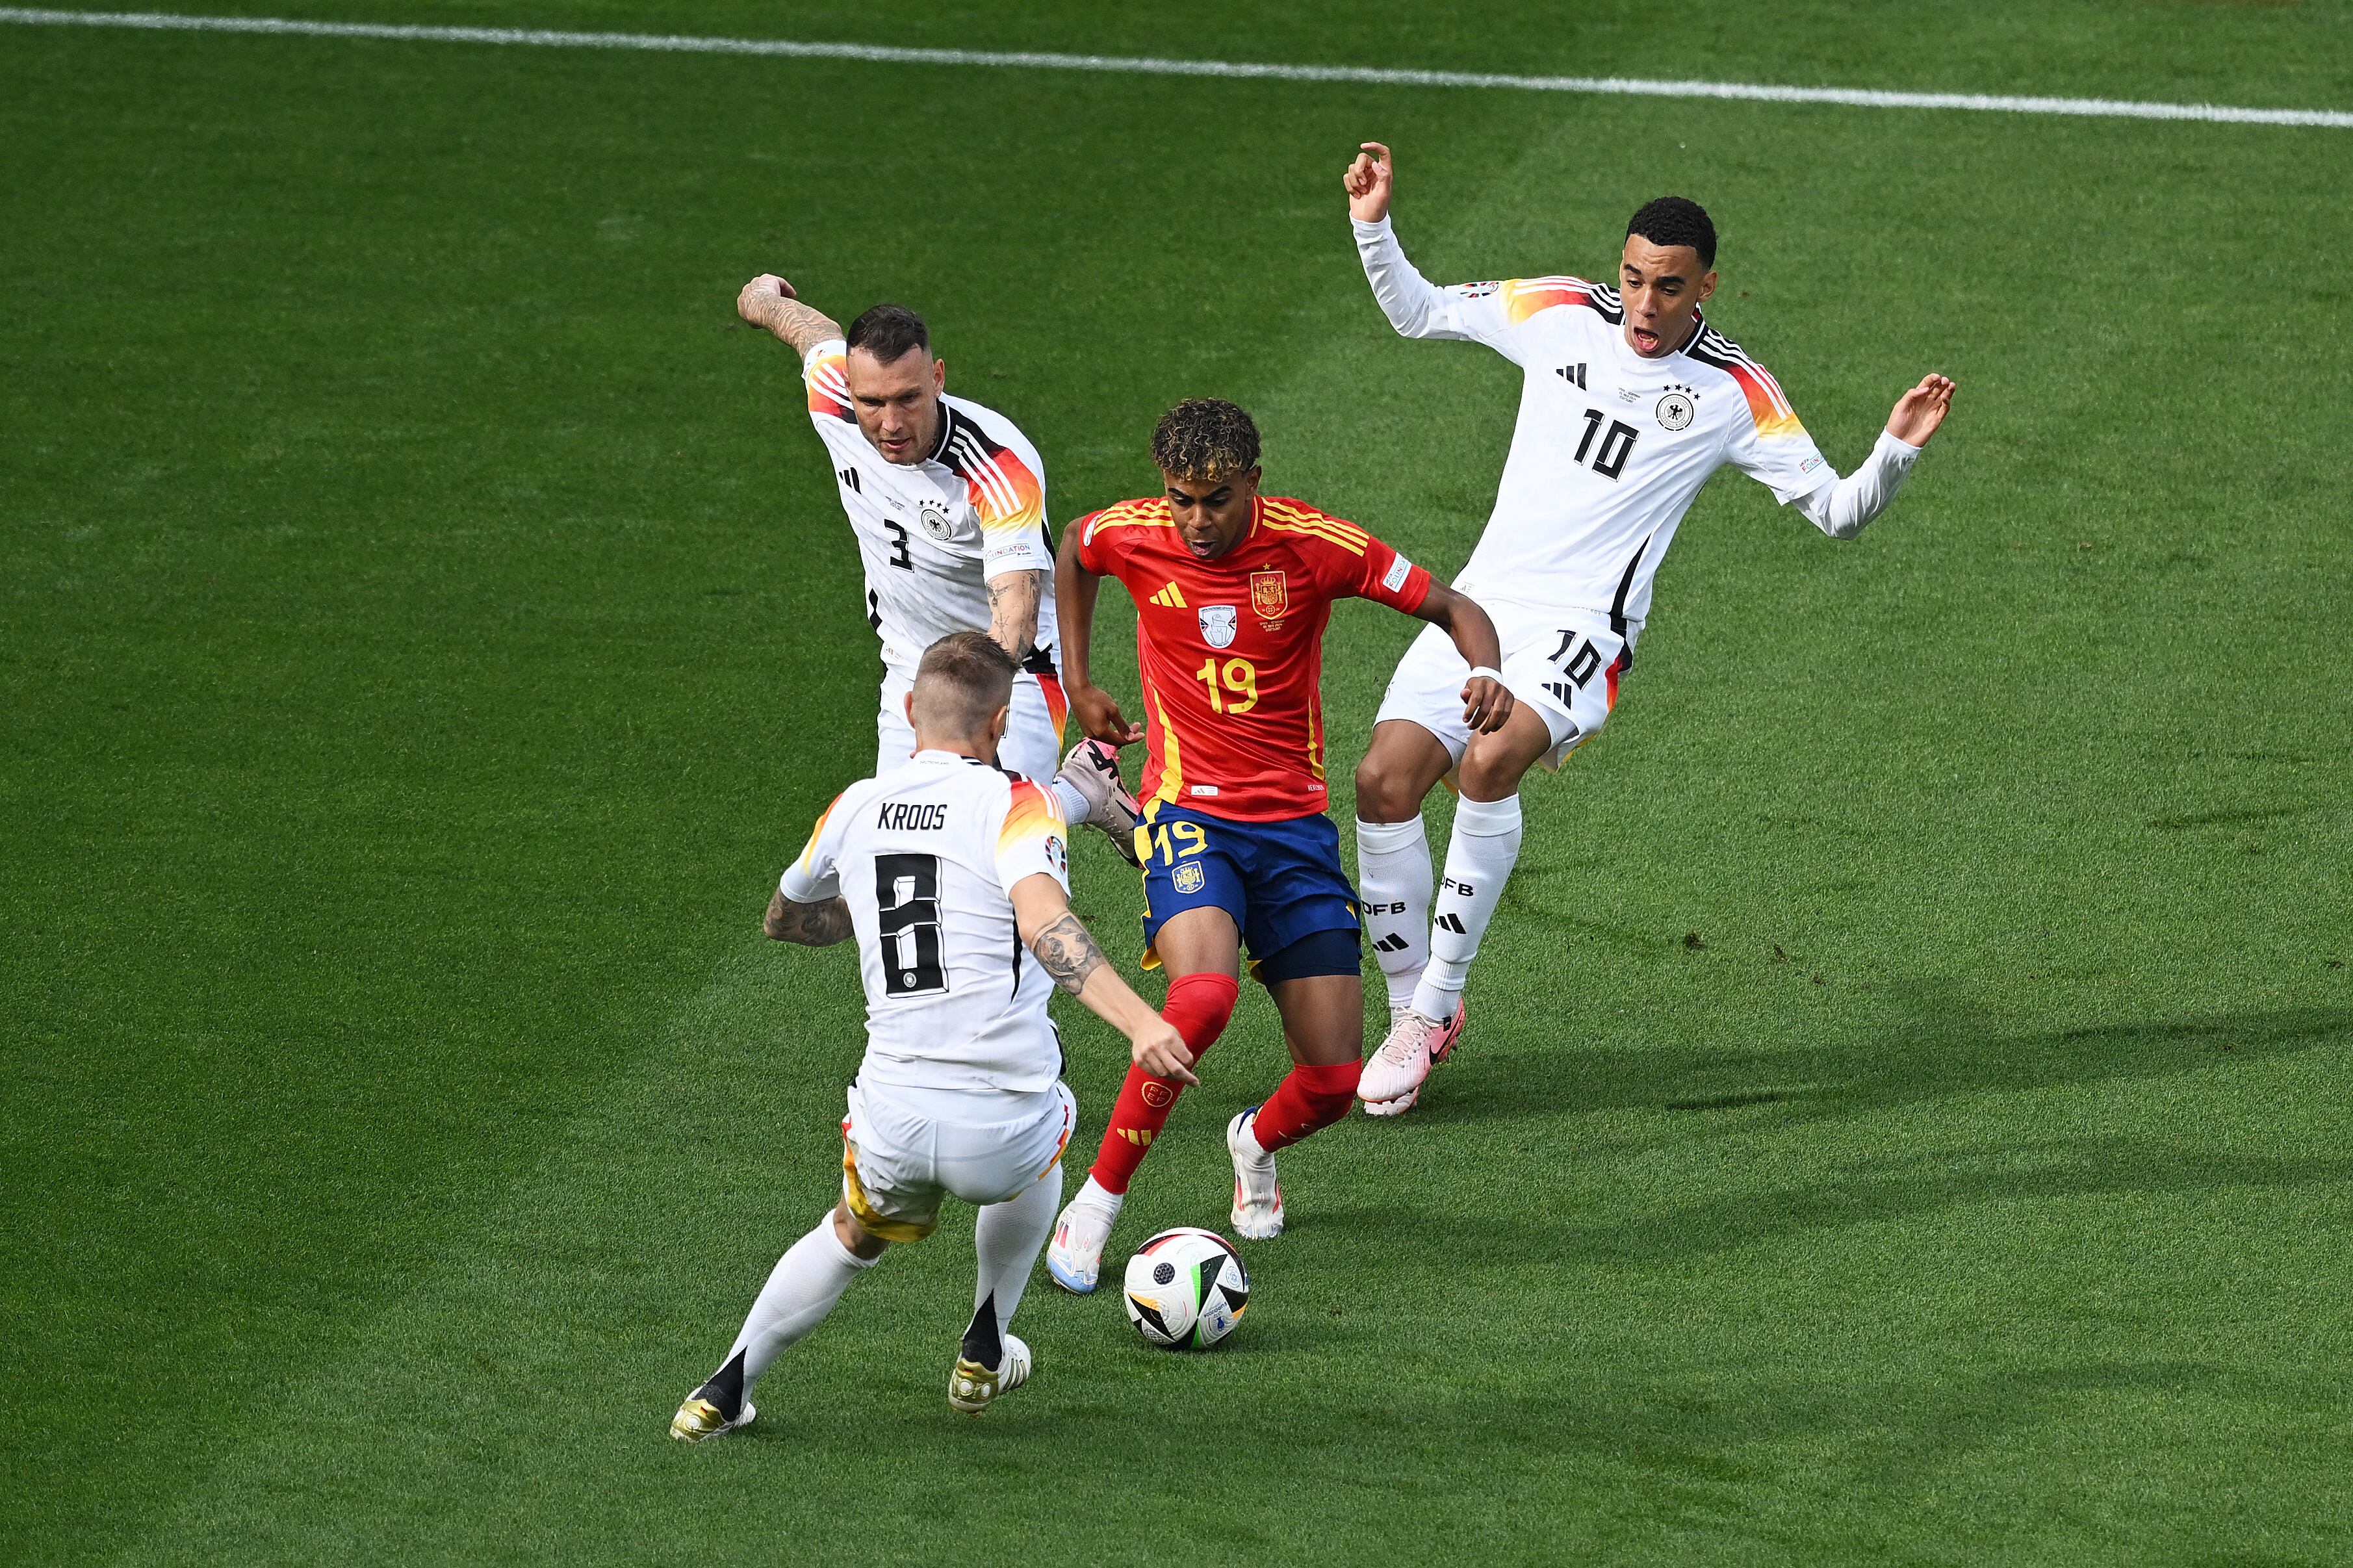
1644, 339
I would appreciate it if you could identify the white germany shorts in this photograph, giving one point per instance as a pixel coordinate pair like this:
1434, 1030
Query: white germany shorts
1033, 733
1564, 664
904, 1150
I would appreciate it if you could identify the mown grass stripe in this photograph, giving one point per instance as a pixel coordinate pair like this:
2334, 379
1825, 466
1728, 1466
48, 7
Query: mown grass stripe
1630, 86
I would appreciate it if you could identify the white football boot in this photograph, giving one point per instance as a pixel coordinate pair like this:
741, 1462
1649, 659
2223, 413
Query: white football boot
1092, 768
1074, 1258
971, 1385
1393, 1077
1258, 1198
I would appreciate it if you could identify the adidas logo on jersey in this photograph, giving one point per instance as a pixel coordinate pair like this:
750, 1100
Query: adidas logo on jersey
1573, 374
1171, 597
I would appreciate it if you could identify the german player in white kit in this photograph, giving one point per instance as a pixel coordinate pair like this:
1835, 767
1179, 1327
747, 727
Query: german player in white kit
953, 875
947, 500
1630, 402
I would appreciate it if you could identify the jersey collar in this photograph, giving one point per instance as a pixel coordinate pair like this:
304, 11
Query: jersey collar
947, 428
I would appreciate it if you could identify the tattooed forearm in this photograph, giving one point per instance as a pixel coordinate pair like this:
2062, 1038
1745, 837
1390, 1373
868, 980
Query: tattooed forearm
1013, 612
1068, 953
811, 925
801, 325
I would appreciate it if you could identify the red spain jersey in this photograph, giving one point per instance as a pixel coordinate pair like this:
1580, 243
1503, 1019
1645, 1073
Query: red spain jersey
1232, 650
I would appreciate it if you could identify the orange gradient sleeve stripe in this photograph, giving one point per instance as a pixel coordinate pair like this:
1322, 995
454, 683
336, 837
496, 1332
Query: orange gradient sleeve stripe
829, 387
1523, 297
1766, 404
817, 833
1030, 818
1005, 494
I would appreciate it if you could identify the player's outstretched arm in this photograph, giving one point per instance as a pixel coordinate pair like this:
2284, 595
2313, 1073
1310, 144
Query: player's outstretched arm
1075, 620
1042, 912
820, 924
1369, 182
1415, 307
1843, 509
1486, 700
1919, 411
768, 303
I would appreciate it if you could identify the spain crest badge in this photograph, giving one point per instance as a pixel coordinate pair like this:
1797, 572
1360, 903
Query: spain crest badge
1269, 596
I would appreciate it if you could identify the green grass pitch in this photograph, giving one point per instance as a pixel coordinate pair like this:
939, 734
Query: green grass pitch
1904, 1118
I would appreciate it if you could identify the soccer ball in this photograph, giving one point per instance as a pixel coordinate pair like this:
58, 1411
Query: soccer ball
1186, 1288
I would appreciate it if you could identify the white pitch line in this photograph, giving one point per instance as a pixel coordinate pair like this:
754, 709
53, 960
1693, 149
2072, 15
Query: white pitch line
1631, 87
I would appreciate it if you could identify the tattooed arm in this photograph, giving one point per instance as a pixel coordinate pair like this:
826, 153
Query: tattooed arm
811, 925
1068, 953
1013, 612
768, 303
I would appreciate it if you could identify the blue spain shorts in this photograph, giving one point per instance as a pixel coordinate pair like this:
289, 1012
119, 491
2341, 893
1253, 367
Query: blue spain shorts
1281, 882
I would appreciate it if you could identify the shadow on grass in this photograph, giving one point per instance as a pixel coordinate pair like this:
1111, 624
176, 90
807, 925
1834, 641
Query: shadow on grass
1933, 1049
1725, 1453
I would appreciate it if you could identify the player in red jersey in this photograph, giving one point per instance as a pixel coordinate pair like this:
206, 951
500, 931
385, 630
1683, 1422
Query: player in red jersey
1232, 590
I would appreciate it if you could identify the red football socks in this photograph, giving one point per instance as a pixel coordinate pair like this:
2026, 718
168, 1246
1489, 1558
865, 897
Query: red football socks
1309, 1097
1198, 1008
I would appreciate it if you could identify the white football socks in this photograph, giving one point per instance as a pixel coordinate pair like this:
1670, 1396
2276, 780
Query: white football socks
801, 1290
1076, 807
1393, 870
1479, 861
1009, 1237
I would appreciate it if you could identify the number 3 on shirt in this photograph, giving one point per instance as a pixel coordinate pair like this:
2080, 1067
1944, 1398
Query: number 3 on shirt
1240, 677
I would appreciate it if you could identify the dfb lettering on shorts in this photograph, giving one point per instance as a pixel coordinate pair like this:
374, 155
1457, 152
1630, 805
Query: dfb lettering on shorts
912, 817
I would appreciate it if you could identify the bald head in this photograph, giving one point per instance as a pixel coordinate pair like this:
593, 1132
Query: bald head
963, 688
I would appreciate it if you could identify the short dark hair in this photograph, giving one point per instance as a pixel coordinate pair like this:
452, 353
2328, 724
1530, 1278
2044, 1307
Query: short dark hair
889, 332
964, 678
1676, 220
1205, 440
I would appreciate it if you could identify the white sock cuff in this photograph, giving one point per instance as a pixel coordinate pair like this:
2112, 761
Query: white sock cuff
1095, 1193
847, 1256
1075, 807
1487, 819
1382, 837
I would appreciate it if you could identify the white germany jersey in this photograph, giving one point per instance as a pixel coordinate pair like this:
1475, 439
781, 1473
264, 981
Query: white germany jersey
931, 535
1610, 448
925, 857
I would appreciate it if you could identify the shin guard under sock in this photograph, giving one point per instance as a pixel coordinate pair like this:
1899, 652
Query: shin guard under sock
1395, 881
1198, 1008
1310, 1097
1478, 860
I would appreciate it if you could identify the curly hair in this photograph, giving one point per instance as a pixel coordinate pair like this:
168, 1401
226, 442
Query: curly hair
1676, 220
1205, 440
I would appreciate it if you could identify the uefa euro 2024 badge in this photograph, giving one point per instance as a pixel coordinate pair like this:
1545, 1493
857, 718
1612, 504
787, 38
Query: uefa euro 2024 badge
1677, 408
935, 521
1218, 623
